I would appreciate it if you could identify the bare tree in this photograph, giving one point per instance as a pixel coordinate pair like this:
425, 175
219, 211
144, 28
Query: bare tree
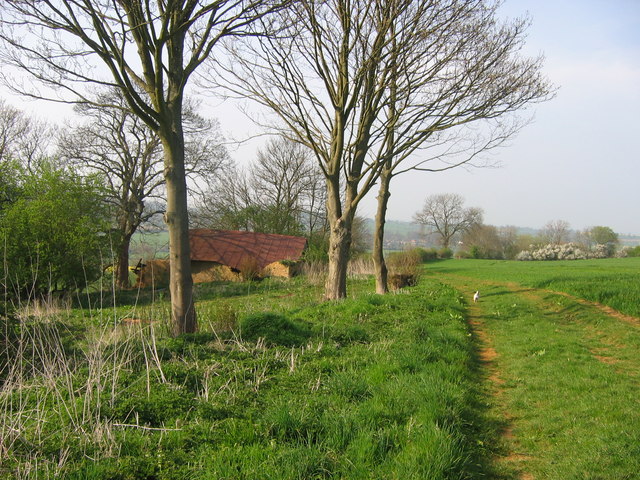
445, 213
556, 232
23, 139
324, 78
227, 202
148, 50
128, 154
285, 181
453, 66
366, 84
280, 192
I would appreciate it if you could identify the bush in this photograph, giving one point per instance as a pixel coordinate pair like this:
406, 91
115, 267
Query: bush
54, 233
445, 253
426, 254
406, 263
565, 251
401, 280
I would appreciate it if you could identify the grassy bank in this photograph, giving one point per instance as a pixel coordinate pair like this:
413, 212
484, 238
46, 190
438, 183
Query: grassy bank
275, 386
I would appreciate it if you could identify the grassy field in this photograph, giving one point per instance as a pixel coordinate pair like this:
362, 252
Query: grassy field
614, 282
526, 384
564, 375
277, 385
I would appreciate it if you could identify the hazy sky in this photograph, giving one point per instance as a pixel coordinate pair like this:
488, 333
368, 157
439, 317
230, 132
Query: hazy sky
578, 161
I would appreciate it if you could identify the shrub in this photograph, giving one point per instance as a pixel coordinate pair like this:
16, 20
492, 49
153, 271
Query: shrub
54, 233
405, 263
401, 280
565, 251
632, 251
444, 253
427, 254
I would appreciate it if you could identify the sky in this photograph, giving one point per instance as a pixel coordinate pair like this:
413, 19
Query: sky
578, 160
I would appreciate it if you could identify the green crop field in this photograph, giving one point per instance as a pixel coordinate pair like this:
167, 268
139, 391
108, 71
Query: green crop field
613, 282
527, 383
562, 372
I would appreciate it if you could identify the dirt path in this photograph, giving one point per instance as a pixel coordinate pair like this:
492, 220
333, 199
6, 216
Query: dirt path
514, 461
487, 357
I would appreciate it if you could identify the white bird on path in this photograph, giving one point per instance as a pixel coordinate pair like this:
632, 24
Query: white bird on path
476, 296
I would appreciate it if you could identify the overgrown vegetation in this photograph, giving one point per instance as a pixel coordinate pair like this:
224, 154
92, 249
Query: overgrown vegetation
50, 240
274, 386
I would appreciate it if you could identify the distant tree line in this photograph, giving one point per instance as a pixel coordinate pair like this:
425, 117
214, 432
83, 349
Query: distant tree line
461, 227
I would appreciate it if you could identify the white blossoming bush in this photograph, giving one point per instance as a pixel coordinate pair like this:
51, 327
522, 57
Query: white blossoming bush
565, 251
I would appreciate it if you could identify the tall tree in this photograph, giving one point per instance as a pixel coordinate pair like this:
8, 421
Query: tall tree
150, 50
603, 235
453, 65
128, 154
324, 78
446, 214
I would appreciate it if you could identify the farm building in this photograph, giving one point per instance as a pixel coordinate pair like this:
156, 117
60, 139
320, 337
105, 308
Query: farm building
232, 256
243, 253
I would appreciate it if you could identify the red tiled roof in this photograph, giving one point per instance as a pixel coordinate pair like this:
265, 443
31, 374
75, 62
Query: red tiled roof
233, 248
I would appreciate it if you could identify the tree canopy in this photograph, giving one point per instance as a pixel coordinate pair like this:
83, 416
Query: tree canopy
55, 234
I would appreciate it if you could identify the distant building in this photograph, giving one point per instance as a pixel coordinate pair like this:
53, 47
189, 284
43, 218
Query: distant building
236, 253
232, 256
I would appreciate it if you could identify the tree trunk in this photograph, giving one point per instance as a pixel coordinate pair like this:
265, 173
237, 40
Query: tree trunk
339, 246
380, 265
183, 313
122, 264
340, 224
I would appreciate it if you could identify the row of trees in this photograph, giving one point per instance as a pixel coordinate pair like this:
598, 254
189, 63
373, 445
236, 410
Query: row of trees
367, 86
447, 217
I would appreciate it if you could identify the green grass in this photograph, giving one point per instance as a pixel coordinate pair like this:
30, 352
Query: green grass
370, 387
613, 282
568, 373
281, 385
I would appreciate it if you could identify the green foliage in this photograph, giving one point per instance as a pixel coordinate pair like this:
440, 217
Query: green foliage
603, 235
634, 252
445, 253
54, 233
275, 329
427, 254
9, 188
317, 248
